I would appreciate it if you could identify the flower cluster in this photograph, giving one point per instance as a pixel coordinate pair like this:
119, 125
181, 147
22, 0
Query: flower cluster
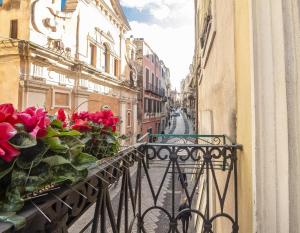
35, 122
106, 118
38, 150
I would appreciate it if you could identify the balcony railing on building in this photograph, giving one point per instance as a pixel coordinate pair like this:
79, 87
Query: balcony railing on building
155, 90
141, 188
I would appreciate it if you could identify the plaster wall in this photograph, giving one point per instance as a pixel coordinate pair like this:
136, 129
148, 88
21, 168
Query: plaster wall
21, 12
9, 75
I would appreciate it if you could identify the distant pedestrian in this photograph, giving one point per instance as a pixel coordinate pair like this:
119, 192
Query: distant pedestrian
162, 132
183, 179
185, 217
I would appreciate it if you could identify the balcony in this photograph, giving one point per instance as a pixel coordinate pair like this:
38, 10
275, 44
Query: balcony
155, 90
142, 183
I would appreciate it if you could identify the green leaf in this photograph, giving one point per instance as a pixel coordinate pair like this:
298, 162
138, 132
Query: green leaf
110, 139
84, 161
67, 173
31, 158
76, 149
11, 217
57, 124
23, 140
51, 132
72, 133
6, 169
13, 201
56, 145
56, 160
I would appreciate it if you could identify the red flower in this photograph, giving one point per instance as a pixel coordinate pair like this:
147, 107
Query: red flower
81, 125
82, 116
105, 118
61, 116
35, 121
8, 114
7, 151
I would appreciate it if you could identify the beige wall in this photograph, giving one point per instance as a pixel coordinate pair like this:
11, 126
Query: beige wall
9, 75
217, 90
244, 114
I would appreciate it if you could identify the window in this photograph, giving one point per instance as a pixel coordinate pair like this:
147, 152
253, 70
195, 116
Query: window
149, 106
147, 78
128, 119
93, 54
153, 81
107, 58
146, 105
116, 71
14, 29
152, 58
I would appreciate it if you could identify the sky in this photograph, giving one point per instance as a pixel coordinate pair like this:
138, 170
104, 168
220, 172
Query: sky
168, 27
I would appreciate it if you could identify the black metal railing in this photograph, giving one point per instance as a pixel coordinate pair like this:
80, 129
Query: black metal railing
151, 190
155, 90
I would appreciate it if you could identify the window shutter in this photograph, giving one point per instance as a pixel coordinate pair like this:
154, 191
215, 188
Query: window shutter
14, 29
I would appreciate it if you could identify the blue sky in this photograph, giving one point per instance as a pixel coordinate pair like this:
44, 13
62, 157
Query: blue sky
168, 27
134, 14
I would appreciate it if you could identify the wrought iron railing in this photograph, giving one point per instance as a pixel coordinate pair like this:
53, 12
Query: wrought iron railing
142, 188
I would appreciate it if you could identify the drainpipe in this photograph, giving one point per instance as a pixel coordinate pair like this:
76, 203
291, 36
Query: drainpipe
197, 98
77, 36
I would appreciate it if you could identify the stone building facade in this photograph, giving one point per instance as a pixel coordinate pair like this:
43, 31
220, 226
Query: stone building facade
150, 78
68, 54
246, 66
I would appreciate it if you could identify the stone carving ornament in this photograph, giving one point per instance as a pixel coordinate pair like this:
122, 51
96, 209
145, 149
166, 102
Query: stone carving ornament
48, 19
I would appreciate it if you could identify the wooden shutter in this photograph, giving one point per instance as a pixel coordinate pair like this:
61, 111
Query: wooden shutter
14, 29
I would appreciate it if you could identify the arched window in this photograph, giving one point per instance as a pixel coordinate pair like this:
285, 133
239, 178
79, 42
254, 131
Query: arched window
106, 58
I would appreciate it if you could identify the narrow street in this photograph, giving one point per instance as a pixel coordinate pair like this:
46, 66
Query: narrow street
155, 221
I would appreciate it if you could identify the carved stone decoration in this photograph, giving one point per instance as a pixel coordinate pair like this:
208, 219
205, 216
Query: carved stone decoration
48, 19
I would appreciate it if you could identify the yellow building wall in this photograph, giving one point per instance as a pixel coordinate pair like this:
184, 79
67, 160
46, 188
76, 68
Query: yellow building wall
244, 106
9, 75
8, 13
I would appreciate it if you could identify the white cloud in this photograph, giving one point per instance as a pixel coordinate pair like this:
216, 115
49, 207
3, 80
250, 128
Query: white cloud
140, 4
161, 12
172, 35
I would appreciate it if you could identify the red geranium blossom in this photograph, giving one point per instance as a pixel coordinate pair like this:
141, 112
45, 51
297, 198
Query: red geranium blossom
7, 151
61, 116
81, 125
35, 121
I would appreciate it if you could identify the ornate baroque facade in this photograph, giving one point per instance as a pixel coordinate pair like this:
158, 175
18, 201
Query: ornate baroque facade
71, 54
